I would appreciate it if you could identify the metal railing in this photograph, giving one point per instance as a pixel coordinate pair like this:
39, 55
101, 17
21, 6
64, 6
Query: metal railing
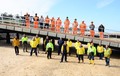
21, 22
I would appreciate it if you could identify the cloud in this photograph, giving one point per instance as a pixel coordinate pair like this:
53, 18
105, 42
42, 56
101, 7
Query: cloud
103, 3
22, 6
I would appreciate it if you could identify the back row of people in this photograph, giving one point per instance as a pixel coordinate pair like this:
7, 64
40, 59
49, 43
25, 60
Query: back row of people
55, 25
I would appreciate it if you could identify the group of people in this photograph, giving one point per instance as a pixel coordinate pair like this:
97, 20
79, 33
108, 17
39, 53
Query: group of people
64, 48
55, 25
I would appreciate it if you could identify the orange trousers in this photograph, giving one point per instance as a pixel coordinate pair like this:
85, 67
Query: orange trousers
53, 27
27, 23
101, 35
75, 30
82, 32
58, 28
66, 30
36, 24
92, 33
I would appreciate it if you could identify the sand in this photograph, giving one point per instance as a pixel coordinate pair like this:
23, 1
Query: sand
25, 65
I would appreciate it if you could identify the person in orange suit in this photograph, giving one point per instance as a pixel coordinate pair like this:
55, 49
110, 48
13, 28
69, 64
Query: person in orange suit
58, 24
82, 28
53, 24
27, 20
47, 21
66, 25
75, 24
92, 27
101, 29
36, 21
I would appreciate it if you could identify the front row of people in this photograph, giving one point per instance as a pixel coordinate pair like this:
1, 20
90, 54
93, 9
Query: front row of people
80, 50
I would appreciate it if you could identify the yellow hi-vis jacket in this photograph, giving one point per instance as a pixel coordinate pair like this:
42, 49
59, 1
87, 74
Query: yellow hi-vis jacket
77, 44
107, 52
69, 43
80, 50
15, 42
91, 49
67, 48
88, 45
37, 40
33, 44
100, 49
24, 39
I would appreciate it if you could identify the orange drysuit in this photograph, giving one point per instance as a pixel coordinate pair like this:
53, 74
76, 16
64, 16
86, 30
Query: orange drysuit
82, 28
58, 24
53, 24
66, 26
75, 24
27, 20
36, 21
47, 21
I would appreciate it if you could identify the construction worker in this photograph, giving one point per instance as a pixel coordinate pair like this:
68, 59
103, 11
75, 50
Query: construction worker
82, 28
36, 21
33, 44
77, 44
41, 22
49, 49
66, 25
27, 20
24, 42
101, 29
107, 53
75, 25
53, 24
45, 43
69, 43
37, 39
80, 53
91, 52
92, 27
60, 43
47, 22
58, 24
100, 51
16, 44
64, 51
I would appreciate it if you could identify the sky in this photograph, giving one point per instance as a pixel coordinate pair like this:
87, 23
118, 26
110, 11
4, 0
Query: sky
106, 12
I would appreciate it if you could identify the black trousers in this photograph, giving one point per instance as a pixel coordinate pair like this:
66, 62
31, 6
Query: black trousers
80, 57
64, 55
70, 48
24, 46
16, 50
41, 25
49, 54
35, 51
46, 25
59, 49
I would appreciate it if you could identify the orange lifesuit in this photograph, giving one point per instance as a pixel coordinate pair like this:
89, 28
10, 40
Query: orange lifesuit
82, 29
92, 33
53, 24
36, 22
27, 20
66, 26
75, 24
101, 35
58, 24
47, 21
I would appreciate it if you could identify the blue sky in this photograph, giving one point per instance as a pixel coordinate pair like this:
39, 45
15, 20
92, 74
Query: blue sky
104, 12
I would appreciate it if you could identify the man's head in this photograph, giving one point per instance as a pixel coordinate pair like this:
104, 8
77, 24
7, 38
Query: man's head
36, 36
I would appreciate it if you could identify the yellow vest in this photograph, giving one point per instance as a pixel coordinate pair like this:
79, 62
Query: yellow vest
80, 50
37, 40
67, 48
100, 49
77, 44
69, 43
107, 52
88, 45
16, 42
33, 44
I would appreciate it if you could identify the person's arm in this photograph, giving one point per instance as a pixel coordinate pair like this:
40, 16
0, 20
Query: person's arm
62, 49
94, 51
52, 47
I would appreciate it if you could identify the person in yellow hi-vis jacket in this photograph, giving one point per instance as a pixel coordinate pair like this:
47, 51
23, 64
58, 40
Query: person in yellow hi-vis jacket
77, 44
49, 49
80, 53
38, 42
91, 52
64, 51
16, 44
69, 43
107, 53
33, 44
24, 42
100, 51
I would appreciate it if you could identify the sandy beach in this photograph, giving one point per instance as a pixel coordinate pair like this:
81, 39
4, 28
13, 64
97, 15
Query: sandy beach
25, 65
